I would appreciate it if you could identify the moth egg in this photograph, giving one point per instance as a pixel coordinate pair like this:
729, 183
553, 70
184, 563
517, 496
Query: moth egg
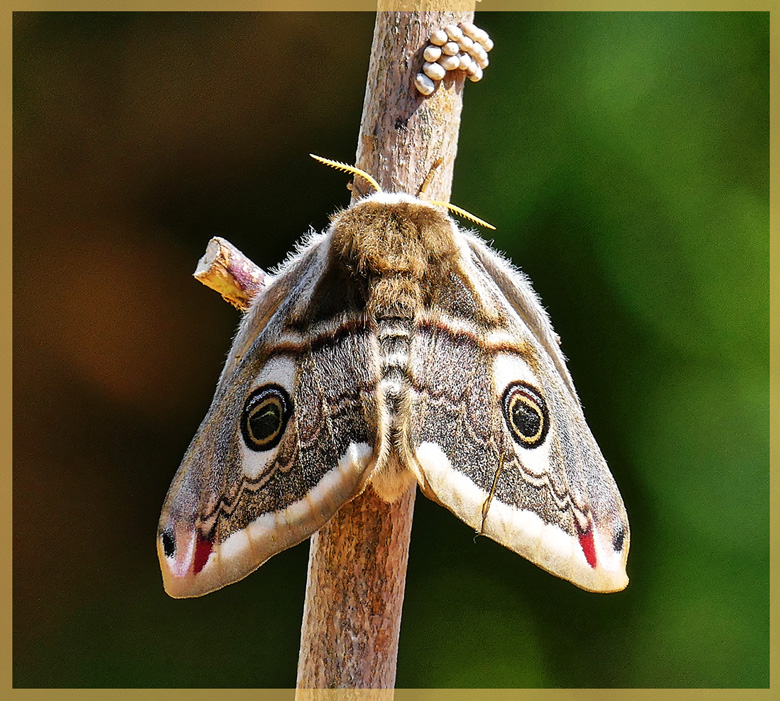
465, 61
465, 43
432, 53
435, 71
478, 50
482, 37
471, 69
469, 30
424, 84
453, 32
450, 63
480, 55
476, 75
488, 43
439, 37
450, 48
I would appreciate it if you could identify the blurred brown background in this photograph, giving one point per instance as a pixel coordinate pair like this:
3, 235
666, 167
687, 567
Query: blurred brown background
624, 160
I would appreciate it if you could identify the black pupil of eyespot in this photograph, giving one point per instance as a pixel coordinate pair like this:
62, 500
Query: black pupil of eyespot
526, 419
526, 415
265, 417
265, 420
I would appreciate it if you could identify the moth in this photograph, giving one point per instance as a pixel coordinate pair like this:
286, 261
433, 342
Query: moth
394, 347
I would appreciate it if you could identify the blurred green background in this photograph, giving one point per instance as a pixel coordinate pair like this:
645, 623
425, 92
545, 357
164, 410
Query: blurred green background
624, 160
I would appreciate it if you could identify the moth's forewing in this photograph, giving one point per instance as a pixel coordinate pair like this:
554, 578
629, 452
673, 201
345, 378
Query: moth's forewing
289, 437
499, 434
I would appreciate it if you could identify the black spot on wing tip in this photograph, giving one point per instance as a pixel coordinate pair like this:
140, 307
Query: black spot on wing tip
618, 539
168, 543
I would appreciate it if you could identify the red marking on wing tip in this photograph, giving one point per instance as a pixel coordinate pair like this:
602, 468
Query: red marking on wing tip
203, 547
588, 547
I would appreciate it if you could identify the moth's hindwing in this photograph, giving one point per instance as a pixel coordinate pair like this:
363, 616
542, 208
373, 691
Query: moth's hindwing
498, 432
289, 438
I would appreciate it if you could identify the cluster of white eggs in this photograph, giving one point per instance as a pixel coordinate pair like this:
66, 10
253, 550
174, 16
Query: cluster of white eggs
463, 47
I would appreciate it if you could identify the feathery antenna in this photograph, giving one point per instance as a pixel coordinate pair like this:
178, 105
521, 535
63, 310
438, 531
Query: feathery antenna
338, 165
463, 213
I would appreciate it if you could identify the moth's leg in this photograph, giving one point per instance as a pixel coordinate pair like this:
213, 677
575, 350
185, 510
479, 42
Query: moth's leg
462, 47
486, 505
425, 183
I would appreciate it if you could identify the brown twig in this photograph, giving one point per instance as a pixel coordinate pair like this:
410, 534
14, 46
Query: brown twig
357, 562
226, 270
